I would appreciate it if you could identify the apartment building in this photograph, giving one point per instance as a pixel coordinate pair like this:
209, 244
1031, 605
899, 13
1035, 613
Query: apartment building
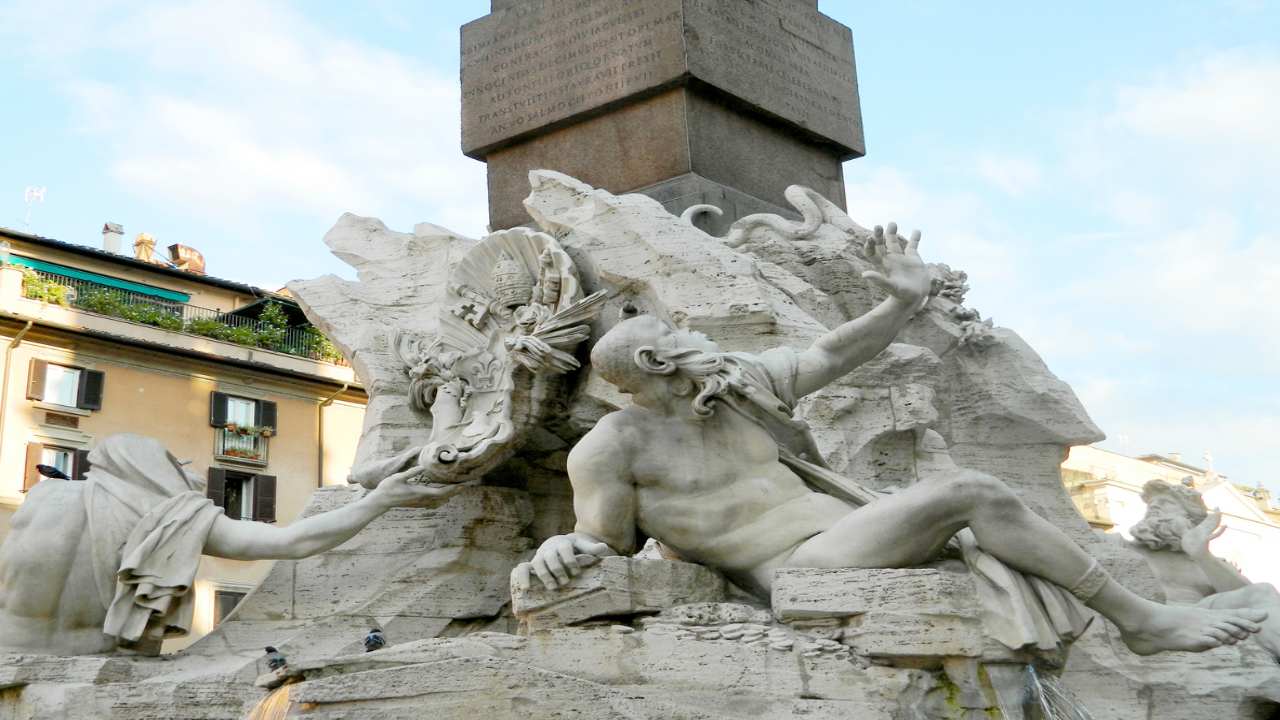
232, 378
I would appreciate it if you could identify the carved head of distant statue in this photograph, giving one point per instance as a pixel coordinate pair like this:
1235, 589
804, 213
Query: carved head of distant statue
1172, 510
644, 356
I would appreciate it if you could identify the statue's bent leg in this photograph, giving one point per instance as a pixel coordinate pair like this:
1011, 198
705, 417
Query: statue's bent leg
910, 526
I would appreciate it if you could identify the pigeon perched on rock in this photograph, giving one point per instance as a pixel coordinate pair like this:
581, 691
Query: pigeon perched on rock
375, 640
275, 659
50, 471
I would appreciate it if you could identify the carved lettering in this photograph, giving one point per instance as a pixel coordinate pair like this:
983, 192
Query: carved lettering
540, 62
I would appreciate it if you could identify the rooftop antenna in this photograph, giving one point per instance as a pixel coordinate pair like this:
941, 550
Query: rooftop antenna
32, 196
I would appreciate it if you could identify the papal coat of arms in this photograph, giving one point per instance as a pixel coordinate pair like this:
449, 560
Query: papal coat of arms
512, 316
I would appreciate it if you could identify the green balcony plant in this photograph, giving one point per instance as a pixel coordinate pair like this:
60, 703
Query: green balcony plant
43, 289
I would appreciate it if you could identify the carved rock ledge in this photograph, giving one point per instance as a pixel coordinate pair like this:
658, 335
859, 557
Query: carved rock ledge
913, 617
616, 587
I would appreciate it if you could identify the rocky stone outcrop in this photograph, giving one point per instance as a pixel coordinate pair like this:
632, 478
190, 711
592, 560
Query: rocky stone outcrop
879, 644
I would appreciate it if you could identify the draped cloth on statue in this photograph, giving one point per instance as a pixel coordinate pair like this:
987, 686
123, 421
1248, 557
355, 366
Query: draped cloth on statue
1019, 610
148, 521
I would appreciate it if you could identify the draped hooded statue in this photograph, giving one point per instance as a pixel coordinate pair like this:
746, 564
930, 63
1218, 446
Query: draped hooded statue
109, 562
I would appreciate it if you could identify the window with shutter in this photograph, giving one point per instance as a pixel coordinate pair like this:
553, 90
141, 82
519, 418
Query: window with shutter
217, 488
89, 393
81, 464
264, 498
217, 409
59, 458
266, 416
224, 601
242, 412
35, 379
31, 476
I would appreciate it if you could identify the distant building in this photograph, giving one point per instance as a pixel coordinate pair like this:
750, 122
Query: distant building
228, 376
1107, 489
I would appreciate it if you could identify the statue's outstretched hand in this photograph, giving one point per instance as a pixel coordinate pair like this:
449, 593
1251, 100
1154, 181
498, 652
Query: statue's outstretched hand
559, 559
397, 490
1195, 542
899, 269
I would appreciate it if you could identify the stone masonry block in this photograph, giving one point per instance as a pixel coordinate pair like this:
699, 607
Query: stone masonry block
913, 616
943, 589
616, 586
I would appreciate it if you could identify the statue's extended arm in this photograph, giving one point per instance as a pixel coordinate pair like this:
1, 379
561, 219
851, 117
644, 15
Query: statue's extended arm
1195, 543
904, 276
246, 540
604, 503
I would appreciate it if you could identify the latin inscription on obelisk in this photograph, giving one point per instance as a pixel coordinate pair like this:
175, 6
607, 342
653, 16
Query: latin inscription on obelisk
726, 101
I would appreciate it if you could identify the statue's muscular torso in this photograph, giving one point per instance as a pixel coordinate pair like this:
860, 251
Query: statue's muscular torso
1183, 581
700, 484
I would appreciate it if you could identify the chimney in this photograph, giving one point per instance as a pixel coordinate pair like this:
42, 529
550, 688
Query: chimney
1175, 456
186, 258
112, 233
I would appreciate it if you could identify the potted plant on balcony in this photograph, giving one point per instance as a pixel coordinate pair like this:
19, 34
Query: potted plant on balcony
249, 430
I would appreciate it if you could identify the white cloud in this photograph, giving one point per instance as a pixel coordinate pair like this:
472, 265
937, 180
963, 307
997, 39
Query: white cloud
1153, 278
957, 227
240, 110
1226, 103
1014, 175
1185, 162
1201, 134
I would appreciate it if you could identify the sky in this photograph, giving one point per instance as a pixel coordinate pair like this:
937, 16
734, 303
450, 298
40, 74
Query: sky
1107, 173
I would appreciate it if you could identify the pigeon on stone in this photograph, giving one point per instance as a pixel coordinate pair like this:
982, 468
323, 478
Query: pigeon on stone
375, 640
275, 659
50, 471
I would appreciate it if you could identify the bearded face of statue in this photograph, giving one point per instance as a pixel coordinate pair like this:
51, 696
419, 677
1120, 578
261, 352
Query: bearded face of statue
1163, 526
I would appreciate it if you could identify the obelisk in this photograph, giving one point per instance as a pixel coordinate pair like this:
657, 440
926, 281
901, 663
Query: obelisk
689, 101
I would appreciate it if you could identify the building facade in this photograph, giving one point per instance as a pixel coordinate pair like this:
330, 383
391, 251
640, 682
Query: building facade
1107, 489
231, 378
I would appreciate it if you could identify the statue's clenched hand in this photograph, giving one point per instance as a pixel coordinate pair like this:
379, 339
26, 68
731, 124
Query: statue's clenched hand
1195, 542
560, 558
899, 269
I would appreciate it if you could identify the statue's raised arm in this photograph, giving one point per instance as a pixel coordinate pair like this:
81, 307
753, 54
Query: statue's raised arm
903, 275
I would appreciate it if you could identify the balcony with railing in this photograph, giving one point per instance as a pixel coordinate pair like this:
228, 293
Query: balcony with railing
237, 445
270, 330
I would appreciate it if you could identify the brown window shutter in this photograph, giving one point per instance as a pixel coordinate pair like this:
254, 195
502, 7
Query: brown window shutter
81, 465
264, 498
31, 476
266, 415
89, 394
217, 487
217, 409
35, 379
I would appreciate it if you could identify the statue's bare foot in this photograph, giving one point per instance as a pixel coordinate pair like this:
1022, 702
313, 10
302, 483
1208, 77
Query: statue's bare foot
1169, 627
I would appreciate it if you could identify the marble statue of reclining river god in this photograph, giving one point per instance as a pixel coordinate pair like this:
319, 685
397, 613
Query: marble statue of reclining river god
709, 461
107, 563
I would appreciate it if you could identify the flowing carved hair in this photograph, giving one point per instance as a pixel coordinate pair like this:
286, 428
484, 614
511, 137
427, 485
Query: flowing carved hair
704, 375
